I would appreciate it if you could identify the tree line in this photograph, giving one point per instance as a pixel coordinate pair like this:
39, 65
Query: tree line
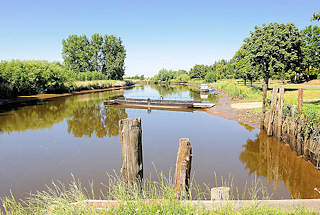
277, 51
99, 58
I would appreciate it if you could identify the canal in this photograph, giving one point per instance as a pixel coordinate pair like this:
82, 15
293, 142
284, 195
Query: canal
77, 136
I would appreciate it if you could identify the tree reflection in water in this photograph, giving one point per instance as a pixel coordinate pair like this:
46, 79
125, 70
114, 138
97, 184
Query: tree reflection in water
85, 115
274, 160
102, 121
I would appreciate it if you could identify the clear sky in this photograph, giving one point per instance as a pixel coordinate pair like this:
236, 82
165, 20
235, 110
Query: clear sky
157, 34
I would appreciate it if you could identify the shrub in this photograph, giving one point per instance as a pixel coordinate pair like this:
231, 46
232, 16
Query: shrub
32, 77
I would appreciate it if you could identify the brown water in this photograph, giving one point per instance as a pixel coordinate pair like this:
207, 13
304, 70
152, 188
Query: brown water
77, 135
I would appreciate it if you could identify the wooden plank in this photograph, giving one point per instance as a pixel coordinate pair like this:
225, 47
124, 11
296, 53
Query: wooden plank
131, 152
183, 167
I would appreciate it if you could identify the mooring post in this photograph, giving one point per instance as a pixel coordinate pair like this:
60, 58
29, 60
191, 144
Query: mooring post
280, 106
183, 167
264, 94
220, 193
131, 152
272, 111
300, 101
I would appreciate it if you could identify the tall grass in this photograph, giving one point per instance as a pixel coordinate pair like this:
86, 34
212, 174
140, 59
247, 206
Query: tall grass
156, 197
237, 92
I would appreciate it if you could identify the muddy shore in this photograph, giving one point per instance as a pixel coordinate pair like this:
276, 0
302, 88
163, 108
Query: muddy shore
246, 116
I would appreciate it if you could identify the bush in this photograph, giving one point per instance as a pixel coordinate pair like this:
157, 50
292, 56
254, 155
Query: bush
32, 77
90, 76
211, 77
183, 78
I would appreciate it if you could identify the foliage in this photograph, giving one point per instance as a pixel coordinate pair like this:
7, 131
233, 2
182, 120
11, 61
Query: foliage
211, 77
183, 78
315, 17
89, 76
103, 54
275, 49
311, 50
155, 198
32, 77
199, 71
243, 66
136, 77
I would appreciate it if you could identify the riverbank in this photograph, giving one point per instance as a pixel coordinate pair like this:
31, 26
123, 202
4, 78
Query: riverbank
82, 88
248, 114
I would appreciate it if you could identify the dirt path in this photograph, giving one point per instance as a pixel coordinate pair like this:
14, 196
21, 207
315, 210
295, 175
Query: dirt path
244, 113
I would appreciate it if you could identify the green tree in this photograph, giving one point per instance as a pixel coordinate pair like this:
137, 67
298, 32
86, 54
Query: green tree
243, 66
311, 50
199, 71
315, 17
275, 48
104, 54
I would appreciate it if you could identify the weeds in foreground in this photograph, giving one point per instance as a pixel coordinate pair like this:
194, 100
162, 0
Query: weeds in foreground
156, 197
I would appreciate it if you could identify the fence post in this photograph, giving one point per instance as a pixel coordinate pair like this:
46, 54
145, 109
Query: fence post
264, 94
183, 167
131, 152
280, 106
300, 96
272, 110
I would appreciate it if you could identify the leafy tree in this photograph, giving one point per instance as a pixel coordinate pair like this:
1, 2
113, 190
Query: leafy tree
243, 66
311, 50
199, 71
104, 54
275, 48
315, 17
211, 76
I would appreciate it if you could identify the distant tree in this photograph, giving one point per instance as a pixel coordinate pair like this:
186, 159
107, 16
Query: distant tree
311, 50
315, 17
274, 48
105, 54
243, 66
199, 71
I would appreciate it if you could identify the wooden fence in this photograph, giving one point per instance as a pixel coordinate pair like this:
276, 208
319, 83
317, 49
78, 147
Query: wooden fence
290, 126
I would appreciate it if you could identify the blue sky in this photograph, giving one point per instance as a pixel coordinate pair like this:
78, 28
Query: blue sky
156, 34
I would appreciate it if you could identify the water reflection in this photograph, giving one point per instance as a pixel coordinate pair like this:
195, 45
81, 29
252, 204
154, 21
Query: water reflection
193, 92
85, 115
272, 159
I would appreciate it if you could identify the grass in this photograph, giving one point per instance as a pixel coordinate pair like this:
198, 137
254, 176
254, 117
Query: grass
99, 84
238, 92
156, 198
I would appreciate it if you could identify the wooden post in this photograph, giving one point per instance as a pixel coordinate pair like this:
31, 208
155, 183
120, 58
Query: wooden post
272, 110
264, 94
280, 106
293, 139
220, 193
300, 101
131, 152
183, 167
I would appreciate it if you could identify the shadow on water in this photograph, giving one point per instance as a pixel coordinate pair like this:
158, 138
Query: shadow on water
267, 157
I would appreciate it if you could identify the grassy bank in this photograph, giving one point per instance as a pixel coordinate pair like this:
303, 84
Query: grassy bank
156, 198
24, 78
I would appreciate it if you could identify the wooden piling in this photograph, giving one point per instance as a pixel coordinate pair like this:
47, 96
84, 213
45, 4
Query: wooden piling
299, 132
264, 93
272, 111
300, 101
131, 152
280, 106
183, 167
293, 139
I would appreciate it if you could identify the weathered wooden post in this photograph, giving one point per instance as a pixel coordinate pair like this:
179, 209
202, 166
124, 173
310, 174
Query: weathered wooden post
264, 94
183, 167
280, 106
300, 101
131, 152
272, 111
220, 193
